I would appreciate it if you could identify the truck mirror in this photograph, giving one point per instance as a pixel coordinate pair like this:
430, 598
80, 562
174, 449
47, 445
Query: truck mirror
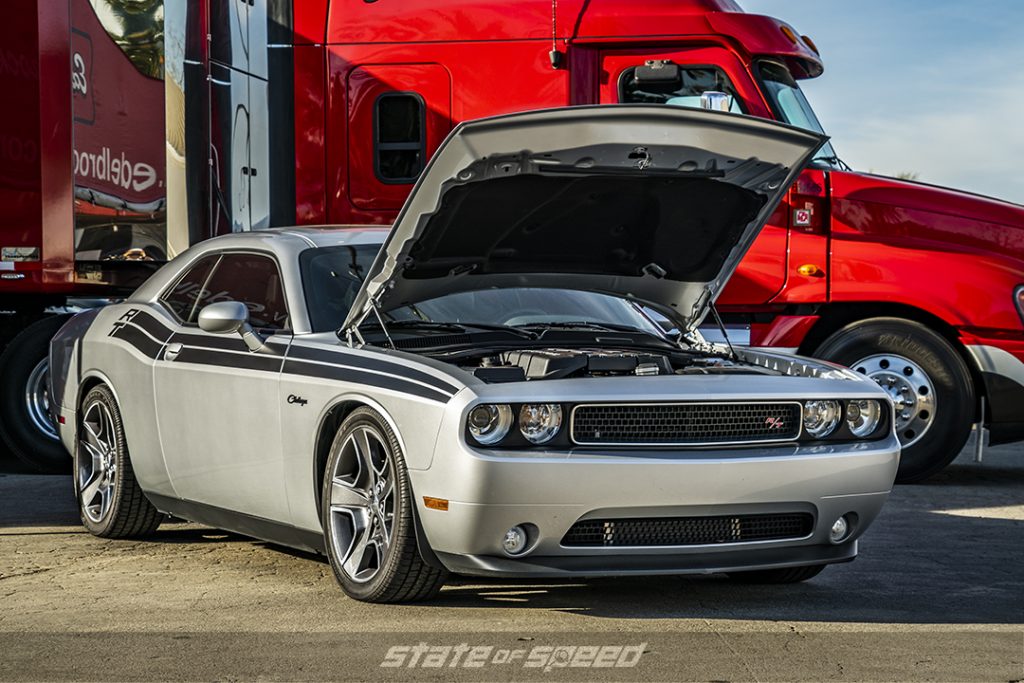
657, 71
715, 100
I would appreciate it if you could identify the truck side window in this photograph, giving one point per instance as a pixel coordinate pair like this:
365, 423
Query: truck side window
181, 297
684, 89
400, 141
255, 281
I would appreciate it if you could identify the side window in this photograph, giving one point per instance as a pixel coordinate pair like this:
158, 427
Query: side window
665, 82
331, 277
253, 280
181, 297
400, 141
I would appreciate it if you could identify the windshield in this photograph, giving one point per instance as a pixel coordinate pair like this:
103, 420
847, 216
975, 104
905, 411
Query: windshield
791, 106
527, 306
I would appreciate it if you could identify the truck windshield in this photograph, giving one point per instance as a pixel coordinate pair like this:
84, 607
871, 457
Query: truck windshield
791, 106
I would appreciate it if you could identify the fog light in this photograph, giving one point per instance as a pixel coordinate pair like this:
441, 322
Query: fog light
839, 530
514, 541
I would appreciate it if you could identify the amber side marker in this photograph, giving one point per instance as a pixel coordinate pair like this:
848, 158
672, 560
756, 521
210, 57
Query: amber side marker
436, 503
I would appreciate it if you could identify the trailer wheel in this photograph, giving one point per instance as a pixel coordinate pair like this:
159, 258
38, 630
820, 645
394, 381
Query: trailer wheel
926, 378
25, 424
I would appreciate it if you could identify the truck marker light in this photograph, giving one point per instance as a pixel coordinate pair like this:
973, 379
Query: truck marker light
810, 270
436, 503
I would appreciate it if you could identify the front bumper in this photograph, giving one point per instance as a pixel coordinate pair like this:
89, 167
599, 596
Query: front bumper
488, 494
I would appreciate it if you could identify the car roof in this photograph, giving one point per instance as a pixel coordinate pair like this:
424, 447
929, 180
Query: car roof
310, 235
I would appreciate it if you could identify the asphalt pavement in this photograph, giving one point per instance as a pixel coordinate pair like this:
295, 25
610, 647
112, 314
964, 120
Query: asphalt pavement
936, 594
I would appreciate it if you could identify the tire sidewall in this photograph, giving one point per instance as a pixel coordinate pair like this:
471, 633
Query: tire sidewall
369, 590
104, 395
950, 377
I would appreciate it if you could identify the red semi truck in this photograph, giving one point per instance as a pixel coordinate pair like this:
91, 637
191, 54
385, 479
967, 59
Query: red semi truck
134, 128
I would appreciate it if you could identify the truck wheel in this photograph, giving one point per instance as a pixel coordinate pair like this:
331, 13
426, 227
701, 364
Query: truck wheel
926, 379
25, 423
368, 519
110, 500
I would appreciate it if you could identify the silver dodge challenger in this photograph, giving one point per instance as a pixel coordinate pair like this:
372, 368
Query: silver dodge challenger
510, 382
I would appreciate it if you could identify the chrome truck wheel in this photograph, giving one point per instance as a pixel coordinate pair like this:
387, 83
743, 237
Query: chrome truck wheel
910, 389
927, 379
26, 426
368, 518
37, 400
110, 500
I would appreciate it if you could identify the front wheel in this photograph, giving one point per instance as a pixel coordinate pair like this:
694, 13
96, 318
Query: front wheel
367, 516
927, 380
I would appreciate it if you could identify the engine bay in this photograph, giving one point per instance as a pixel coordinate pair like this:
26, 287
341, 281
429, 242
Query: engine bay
518, 365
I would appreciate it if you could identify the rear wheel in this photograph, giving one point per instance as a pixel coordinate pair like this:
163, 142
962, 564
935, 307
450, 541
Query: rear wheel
111, 503
368, 521
927, 380
25, 423
785, 575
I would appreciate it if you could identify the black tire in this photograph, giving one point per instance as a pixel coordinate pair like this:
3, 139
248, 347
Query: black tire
402, 575
946, 370
784, 575
18, 362
129, 513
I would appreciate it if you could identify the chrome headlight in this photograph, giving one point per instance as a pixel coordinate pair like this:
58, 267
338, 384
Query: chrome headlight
489, 423
540, 422
821, 417
863, 416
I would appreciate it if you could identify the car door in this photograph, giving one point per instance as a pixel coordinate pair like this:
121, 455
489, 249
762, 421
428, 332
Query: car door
217, 402
688, 73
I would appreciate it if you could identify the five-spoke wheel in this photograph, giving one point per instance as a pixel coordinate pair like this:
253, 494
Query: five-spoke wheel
368, 517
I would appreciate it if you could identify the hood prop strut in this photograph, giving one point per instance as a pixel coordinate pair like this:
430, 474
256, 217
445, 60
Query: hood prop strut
721, 328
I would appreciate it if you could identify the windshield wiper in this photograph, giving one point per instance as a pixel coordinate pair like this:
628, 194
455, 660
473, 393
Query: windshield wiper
441, 326
585, 325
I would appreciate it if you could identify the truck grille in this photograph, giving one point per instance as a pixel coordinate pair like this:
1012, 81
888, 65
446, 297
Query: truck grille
685, 424
652, 531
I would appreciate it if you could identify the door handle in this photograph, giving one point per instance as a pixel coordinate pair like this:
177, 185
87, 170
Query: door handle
172, 351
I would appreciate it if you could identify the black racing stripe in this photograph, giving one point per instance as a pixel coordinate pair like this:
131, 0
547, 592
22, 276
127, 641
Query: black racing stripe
220, 343
293, 367
150, 324
139, 339
220, 359
364, 363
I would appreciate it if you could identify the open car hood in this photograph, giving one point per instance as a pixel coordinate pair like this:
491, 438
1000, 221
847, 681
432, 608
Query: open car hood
653, 203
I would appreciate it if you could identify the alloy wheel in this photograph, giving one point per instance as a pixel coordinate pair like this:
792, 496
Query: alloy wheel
362, 506
97, 462
910, 389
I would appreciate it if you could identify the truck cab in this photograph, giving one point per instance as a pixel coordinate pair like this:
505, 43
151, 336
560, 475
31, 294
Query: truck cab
326, 111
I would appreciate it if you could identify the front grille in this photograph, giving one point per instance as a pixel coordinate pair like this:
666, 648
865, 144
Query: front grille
652, 531
657, 424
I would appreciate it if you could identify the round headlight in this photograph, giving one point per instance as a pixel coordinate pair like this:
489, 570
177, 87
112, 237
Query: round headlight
539, 422
489, 424
862, 417
821, 417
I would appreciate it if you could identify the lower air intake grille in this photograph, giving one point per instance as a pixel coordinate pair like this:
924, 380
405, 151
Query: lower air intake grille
688, 530
651, 424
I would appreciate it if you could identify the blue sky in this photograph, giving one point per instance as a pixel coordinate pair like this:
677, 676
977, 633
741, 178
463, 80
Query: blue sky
934, 87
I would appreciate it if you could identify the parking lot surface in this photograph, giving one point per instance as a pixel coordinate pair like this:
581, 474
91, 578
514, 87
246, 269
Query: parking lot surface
936, 594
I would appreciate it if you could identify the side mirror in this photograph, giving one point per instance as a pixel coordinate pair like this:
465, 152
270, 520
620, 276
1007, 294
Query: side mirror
227, 317
715, 100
